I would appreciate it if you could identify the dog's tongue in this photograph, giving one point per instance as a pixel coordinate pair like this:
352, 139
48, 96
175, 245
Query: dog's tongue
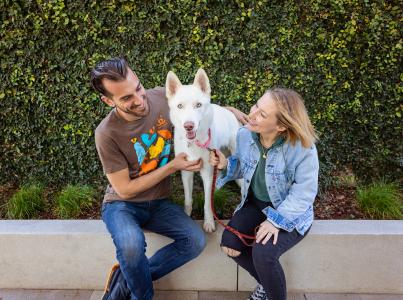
190, 135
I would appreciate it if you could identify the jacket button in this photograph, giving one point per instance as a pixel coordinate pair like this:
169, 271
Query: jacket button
255, 161
247, 180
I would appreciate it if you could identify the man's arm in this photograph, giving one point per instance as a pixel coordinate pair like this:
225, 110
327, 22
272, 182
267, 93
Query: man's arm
127, 188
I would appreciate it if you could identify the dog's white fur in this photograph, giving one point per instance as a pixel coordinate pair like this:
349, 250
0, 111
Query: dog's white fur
190, 104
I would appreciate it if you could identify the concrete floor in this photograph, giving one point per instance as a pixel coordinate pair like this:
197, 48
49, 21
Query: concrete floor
7, 294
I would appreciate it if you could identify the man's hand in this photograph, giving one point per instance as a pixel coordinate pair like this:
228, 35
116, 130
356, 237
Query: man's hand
265, 232
127, 187
218, 160
239, 115
180, 163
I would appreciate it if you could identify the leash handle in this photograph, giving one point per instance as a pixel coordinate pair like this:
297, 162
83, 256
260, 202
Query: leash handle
242, 236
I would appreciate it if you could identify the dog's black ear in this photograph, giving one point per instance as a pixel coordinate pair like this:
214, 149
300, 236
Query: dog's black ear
202, 81
172, 84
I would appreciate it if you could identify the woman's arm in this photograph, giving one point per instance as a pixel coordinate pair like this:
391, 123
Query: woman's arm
301, 195
231, 166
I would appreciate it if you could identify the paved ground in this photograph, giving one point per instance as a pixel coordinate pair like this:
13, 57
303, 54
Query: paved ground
6, 294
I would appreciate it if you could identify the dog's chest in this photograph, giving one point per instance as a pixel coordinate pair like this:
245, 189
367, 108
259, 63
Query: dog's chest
193, 151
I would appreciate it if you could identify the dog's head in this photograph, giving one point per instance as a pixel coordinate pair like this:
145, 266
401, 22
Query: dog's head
189, 104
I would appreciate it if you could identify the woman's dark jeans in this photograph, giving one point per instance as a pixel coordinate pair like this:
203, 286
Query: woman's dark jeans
261, 261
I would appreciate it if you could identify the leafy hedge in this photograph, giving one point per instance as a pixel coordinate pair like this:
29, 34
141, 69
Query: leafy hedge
341, 55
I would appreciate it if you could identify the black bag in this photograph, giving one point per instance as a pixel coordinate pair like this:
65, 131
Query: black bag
116, 286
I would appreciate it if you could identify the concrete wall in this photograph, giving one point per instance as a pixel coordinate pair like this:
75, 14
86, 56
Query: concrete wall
337, 256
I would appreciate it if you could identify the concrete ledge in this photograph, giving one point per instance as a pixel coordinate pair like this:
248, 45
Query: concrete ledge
337, 256
344, 256
78, 254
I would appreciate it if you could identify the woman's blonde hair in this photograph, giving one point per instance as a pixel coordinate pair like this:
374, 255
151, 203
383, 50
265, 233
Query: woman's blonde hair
293, 116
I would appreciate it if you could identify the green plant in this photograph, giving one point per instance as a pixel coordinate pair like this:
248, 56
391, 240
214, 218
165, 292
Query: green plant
381, 200
73, 199
345, 177
26, 202
343, 57
221, 199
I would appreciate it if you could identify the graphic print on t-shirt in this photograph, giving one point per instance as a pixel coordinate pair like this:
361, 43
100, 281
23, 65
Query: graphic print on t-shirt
153, 148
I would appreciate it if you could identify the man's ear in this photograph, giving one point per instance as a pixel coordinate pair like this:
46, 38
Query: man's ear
172, 84
108, 101
202, 81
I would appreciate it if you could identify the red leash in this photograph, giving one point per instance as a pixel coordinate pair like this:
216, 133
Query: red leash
243, 237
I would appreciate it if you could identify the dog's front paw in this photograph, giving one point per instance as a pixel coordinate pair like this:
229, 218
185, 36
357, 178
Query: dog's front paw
188, 209
209, 226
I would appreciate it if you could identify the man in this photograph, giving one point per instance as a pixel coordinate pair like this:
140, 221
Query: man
134, 145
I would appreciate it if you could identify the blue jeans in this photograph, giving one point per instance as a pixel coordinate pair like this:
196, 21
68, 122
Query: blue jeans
126, 220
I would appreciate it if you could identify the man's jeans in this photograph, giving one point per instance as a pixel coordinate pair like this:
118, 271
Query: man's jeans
125, 221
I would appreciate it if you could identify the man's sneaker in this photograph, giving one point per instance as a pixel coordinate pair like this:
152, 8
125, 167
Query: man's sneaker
258, 293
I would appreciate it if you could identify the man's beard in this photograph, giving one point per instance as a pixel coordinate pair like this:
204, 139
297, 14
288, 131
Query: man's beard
138, 114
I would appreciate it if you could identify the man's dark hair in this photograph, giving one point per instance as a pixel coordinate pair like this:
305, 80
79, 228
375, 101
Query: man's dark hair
114, 69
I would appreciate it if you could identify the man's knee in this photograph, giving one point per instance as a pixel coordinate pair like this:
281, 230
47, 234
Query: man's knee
192, 241
131, 247
197, 240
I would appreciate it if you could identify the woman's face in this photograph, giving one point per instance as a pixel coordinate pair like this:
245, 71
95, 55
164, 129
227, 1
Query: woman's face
263, 117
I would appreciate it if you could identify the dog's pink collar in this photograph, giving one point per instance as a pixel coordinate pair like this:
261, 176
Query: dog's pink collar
207, 143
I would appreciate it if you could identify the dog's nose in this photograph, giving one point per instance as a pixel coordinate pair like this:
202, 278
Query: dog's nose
189, 126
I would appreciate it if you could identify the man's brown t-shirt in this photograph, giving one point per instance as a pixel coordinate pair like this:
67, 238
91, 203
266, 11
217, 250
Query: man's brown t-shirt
141, 146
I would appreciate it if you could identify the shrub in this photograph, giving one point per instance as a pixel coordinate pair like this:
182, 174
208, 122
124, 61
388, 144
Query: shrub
73, 199
26, 203
343, 56
345, 177
222, 198
381, 200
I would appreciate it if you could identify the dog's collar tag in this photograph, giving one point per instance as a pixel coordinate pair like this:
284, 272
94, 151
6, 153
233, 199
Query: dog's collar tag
207, 143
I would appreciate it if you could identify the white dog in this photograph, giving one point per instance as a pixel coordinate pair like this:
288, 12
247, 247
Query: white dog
199, 125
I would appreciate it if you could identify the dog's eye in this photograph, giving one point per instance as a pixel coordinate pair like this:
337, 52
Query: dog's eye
198, 105
180, 106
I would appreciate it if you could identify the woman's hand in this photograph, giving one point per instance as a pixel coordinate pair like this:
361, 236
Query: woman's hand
218, 160
239, 115
265, 232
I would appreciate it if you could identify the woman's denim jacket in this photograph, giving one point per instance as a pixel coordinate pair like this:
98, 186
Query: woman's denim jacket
291, 180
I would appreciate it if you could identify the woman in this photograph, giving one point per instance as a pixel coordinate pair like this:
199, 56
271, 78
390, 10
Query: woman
277, 158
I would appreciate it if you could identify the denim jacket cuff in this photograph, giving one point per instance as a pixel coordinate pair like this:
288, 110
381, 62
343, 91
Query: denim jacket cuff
278, 220
228, 173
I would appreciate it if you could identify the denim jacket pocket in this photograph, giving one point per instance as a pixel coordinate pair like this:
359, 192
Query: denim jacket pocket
246, 166
282, 181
